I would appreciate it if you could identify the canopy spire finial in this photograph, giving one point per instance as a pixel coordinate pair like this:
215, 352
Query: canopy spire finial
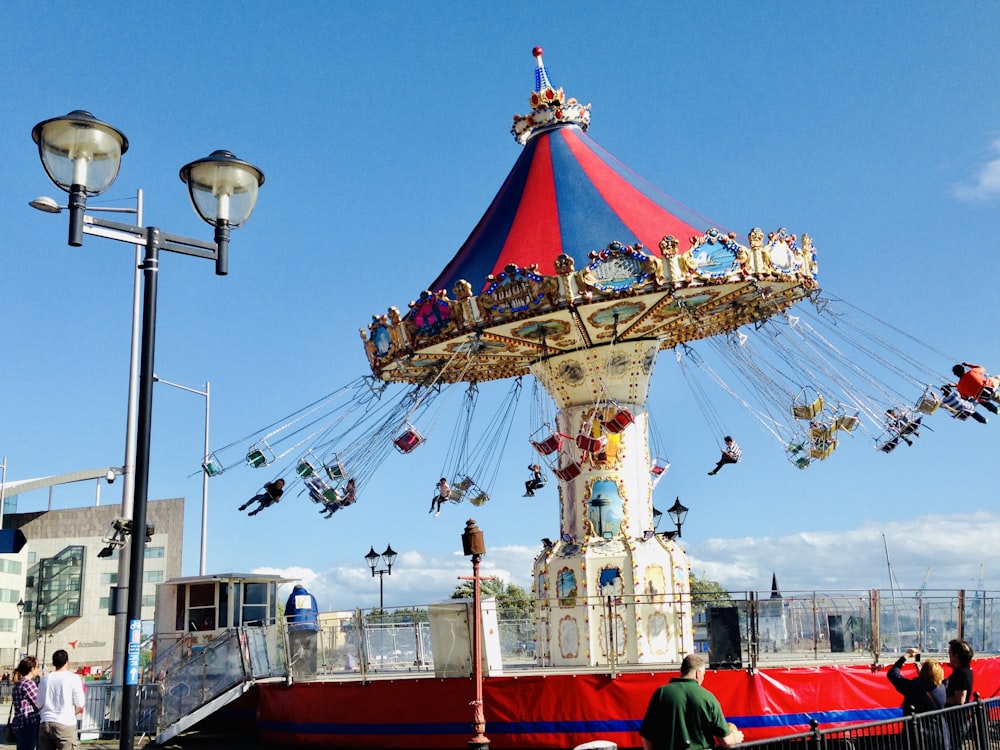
549, 107
541, 77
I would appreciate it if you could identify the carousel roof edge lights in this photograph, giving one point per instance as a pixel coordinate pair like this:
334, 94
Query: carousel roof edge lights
575, 252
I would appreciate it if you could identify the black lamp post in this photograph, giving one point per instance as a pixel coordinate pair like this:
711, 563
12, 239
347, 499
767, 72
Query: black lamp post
388, 557
81, 155
678, 513
474, 544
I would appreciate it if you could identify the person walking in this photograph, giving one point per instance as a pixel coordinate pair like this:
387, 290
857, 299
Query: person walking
60, 702
25, 702
683, 715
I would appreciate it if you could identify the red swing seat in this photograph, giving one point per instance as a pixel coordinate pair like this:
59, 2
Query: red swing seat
591, 444
568, 472
549, 445
409, 440
619, 421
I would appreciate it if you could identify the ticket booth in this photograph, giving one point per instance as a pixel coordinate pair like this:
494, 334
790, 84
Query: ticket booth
199, 608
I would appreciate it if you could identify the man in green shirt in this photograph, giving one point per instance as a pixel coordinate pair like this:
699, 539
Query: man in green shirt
682, 715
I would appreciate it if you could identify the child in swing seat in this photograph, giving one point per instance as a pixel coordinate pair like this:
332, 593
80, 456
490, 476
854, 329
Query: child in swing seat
536, 482
443, 493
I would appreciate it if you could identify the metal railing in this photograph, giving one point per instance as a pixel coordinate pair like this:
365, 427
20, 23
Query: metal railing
184, 677
974, 726
847, 626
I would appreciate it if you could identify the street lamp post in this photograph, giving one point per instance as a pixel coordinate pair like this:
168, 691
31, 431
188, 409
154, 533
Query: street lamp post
48, 205
388, 557
473, 544
678, 513
207, 393
81, 155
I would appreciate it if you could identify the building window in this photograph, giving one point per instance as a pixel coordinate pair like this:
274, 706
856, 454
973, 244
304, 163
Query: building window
201, 606
255, 603
32, 558
9, 595
149, 600
29, 582
108, 579
104, 604
10, 566
152, 552
7, 626
153, 576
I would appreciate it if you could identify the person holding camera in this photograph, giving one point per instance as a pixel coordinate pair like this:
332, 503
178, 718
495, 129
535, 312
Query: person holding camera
926, 691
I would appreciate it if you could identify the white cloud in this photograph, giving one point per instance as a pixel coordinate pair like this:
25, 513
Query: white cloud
417, 578
985, 184
952, 546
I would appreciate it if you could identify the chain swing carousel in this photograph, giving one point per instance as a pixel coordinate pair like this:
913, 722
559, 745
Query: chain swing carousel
579, 274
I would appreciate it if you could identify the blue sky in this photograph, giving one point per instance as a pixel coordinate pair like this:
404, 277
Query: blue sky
383, 132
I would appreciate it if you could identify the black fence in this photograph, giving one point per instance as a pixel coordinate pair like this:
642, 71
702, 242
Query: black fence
974, 726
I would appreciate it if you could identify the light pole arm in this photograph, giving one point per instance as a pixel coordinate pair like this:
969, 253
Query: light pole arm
175, 243
207, 393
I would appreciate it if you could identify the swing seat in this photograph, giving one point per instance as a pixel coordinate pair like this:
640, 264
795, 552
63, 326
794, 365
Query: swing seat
408, 441
256, 458
460, 488
821, 450
549, 445
317, 488
657, 470
887, 443
928, 402
480, 498
619, 421
212, 466
847, 422
591, 444
808, 411
795, 448
822, 431
334, 471
908, 425
566, 473
802, 462
330, 496
305, 469
659, 467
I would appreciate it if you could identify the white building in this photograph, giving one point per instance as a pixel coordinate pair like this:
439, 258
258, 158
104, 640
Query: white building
65, 587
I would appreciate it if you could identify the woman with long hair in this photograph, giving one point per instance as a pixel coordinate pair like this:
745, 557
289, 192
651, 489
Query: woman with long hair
25, 698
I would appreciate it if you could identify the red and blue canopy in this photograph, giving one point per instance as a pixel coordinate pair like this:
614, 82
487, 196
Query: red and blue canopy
565, 194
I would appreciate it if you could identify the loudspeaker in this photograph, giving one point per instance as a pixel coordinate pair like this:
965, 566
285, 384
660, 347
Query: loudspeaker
836, 626
724, 643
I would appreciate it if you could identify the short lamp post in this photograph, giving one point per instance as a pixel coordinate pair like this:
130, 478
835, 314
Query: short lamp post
82, 155
20, 619
678, 513
388, 557
474, 545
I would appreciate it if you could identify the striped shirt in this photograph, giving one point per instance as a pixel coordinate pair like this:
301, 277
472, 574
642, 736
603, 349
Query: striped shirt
732, 450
